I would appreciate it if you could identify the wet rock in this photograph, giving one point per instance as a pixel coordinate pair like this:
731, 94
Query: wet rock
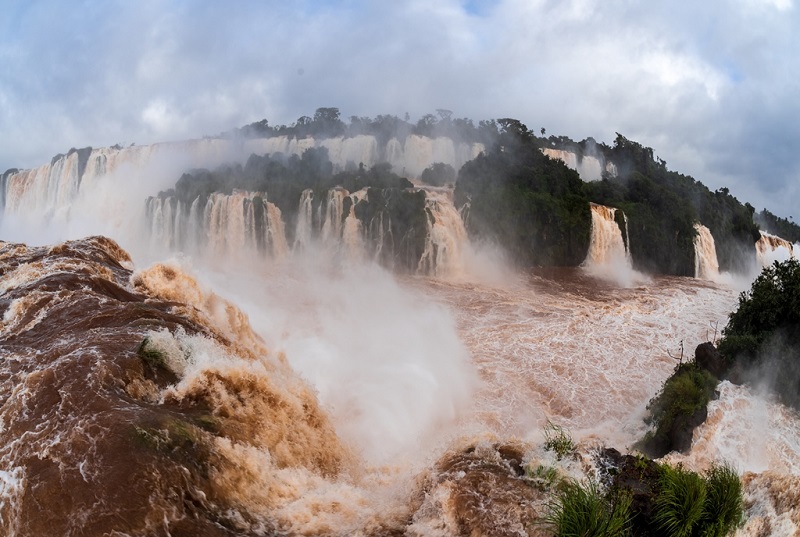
636, 475
709, 358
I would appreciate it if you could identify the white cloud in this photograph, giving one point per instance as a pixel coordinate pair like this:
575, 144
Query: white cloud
703, 84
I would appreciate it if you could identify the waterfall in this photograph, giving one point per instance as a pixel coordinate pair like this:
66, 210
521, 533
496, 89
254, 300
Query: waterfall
98, 189
44, 189
275, 230
305, 219
609, 257
230, 225
334, 215
770, 248
706, 266
606, 247
46, 197
409, 157
352, 236
445, 237
589, 167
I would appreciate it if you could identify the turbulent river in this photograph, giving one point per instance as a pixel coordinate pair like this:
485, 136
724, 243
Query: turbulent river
320, 394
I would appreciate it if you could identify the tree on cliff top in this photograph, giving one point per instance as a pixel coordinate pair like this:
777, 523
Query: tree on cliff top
763, 333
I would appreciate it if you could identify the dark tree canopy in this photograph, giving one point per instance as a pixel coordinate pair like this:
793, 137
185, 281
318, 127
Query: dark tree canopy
763, 333
438, 174
519, 197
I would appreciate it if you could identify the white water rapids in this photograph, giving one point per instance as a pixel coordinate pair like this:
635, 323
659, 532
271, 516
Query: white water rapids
408, 365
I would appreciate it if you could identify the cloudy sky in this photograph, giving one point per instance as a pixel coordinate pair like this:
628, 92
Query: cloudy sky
713, 87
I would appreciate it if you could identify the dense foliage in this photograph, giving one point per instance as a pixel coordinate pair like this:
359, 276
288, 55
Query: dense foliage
677, 409
327, 123
689, 504
438, 174
529, 203
586, 511
537, 207
763, 333
640, 497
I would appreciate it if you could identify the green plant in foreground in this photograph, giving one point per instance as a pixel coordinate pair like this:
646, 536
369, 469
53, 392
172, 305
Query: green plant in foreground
151, 355
724, 507
558, 440
543, 477
680, 504
584, 511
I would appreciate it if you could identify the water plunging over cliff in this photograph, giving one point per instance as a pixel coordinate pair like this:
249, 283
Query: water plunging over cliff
706, 266
770, 248
608, 254
589, 167
51, 191
445, 238
226, 225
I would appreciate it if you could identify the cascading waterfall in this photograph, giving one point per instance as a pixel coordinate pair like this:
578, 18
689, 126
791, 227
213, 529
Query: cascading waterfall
50, 190
514, 335
276, 230
445, 238
770, 248
606, 246
230, 225
305, 219
334, 215
352, 232
589, 167
609, 257
387, 230
46, 188
706, 266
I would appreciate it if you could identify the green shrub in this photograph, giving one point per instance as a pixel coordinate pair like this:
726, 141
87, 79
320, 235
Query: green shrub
151, 355
558, 440
675, 411
763, 333
543, 477
438, 174
680, 502
584, 511
724, 508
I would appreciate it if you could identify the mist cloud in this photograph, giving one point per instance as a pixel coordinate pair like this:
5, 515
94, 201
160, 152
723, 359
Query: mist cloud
712, 87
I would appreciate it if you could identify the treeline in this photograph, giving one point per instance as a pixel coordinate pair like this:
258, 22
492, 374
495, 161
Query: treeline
328, 123
539, 209
776, 225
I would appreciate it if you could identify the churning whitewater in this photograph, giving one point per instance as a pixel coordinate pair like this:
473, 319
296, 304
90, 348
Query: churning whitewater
240, 374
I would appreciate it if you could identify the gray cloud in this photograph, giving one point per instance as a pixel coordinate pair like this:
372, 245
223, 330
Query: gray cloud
711, 87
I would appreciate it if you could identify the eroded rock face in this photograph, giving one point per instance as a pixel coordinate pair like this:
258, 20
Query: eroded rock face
636, 475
